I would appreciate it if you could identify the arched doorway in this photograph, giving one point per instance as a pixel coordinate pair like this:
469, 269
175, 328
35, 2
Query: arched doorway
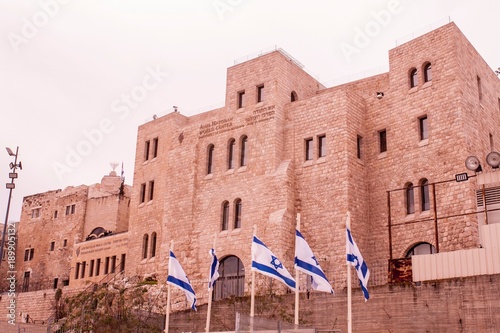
231, 281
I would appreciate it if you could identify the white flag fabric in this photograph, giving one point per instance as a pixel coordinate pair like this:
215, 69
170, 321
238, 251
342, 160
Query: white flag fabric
355, 258
306, 262
265, 262
177, 277
214, 269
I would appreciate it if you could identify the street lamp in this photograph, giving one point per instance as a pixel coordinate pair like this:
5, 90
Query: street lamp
10, 186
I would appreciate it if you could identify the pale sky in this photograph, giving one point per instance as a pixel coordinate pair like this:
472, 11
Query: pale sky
78, 77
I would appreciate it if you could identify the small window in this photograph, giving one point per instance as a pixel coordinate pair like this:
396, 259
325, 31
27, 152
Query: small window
424, 129
382, 138
479, 88
153, 245
424, 195
35, 213
359, 142
145, 241
427, 72
322, 146
421, 248
52, 246
65, 243
77, 270
260, 93
98, 267
293, 96
210, 159
230, 154
106, 265
55, 214
410, 199
241, 99
155, 147
225, 215
151, 190
91, 268
309, 149
56, 282
142, 195
70, 209
237, 213
122, 263
113, 264
413, 78
491, 142
146, 150
82, 269
243, 150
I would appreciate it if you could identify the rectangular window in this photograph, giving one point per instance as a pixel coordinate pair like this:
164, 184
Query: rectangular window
56, 281
260, 93
146, 150
142, 196
32, 254
491, 142
106, 265
322, 146
52, 246
26, 281
91, 268
70, 209
382, 136
84, 264
122, 263
479, 88
65, 243
424, 130
155, 147
241, 99
97, 267
77, 270
113, 264
151, 189
55, 214
26, 254
359, 142
35, 213
309, 149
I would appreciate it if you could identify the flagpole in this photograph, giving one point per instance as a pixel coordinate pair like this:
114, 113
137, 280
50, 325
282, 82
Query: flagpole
297, 279
209, 310
252, 296
349, 285
167, 314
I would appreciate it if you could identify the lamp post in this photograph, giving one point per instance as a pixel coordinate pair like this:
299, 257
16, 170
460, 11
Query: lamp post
10, 186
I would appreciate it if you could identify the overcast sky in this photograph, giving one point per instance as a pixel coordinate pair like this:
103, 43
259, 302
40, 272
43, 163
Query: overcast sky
78, 77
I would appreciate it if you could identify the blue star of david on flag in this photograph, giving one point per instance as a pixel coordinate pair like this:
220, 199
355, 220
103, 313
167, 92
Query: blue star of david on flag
355, 259
265, 262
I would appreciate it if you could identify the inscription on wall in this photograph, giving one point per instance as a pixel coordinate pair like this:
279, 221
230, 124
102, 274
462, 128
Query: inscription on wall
101, 246
228, 124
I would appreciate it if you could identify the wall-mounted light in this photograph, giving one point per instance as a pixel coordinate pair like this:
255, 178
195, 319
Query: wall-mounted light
493, 159
380, 94
473, 164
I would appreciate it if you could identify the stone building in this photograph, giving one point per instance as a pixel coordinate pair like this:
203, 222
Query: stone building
386, 148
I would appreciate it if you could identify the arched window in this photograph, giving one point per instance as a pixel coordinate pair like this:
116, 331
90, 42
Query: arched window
410, 199
231, 281
421, 248
413, 78
293, 96
427, 72
230, 154
243, 150
145, 240
237, 213
424, 195
153, 244
225, 215
210, 159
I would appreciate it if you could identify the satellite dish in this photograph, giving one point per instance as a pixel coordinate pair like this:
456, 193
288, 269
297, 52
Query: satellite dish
472, 163
493, 159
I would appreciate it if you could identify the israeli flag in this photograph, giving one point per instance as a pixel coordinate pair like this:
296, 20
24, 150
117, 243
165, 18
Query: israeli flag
177, 277
265, 262
355, 258
214, 269
306, 262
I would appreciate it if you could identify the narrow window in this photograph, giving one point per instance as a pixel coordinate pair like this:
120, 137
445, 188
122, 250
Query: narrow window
84, 264
237, 213
293, 96
359, 142
26, 254
151, 189
153, 244
113, 264
424, 130
73, 207
225, 215
243, 150
230, 154
322, 146
26, 281
68, 210
77, 270
413, 78
424, 195
122, 263
410, 200
146, 150
427, 72
55, 214
479, 88
142, 197
145, 240
260, 93
491, 142
210, 159
56, 281
52, 246
382, 136
241, 99
309, 149
106, 265
155, 147
32, 253
98, 267
65, 243
35, 213
91, 268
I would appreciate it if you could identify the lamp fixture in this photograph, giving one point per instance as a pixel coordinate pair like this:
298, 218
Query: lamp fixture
380, 94
473, 164
493, 159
